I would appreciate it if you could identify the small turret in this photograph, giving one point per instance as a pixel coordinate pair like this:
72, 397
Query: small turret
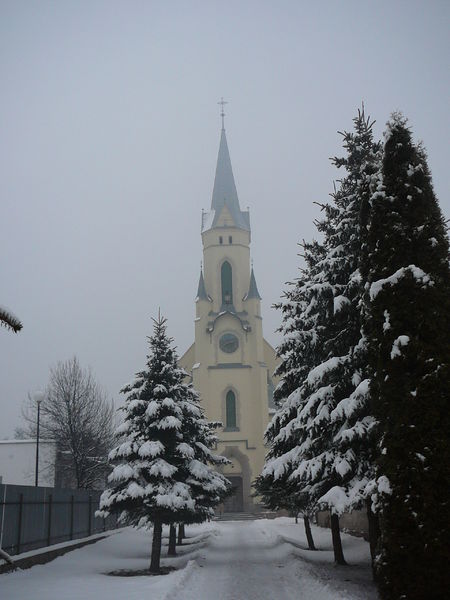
252, 289
201, 291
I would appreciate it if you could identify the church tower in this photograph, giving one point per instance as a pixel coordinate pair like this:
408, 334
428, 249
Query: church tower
230, 361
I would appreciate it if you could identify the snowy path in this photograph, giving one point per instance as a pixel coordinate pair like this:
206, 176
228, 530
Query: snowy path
244, 561
240, 560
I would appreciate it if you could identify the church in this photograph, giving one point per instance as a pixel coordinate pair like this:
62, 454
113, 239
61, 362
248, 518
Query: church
230, 362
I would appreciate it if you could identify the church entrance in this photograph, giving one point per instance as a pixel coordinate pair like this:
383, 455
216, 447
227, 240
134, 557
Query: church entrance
235, 503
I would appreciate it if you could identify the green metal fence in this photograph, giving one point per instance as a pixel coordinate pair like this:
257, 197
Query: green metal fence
35, 517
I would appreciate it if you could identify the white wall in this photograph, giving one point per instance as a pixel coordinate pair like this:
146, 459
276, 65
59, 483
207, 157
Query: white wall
18, 462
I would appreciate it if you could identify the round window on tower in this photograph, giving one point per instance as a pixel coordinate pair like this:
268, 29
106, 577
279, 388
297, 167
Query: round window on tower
228, 343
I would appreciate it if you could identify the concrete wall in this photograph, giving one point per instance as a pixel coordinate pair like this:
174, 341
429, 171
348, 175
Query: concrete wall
18, 462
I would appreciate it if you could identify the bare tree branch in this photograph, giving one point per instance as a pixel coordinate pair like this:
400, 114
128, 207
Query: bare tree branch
76, 414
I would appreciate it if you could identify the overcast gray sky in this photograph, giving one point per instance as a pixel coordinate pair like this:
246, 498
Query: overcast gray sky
109, 137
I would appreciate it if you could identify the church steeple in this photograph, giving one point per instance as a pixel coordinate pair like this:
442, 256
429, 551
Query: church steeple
230, 361
225, 193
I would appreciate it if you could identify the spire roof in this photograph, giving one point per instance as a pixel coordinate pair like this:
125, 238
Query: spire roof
224, 192
252, 288
224, 185
201, 291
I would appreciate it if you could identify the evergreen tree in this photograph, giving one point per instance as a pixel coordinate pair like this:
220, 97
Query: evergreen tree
343, 444
349, 470
207, 486
408, 300
9, 320
161, 473
301, 349
322, 435
300, 329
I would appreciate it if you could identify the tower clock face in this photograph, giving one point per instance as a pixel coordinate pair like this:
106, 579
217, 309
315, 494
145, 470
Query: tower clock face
228, 343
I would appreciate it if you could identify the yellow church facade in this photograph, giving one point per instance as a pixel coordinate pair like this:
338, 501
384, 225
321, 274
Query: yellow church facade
230, 362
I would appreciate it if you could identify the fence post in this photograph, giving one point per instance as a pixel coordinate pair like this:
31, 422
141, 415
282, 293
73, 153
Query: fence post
19, 528
3, 515
49, 529
90, 515
71, 516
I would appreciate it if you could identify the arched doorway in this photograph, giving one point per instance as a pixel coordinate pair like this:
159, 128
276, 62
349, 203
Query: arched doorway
238, 473
235, 503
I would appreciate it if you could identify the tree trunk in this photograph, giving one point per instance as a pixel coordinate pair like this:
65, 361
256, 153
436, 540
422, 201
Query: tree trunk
296, 518
308, 532
180, 533
337, 544
172, 540
374, 529
156, 547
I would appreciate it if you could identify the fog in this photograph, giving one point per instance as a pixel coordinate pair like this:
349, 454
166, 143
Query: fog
109, 136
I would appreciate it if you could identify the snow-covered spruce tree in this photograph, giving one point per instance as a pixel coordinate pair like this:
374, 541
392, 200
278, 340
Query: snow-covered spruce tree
331, 427
408, 331
9, 320
336, 459
207, 486
160, 462
303, 321
300, 328
349, 463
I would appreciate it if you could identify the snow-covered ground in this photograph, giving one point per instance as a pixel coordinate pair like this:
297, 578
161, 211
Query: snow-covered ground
234, 560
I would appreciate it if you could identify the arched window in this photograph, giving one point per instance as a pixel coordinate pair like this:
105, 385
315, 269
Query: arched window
227, 283
230, 410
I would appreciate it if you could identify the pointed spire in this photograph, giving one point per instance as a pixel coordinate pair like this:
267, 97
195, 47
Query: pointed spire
252, 288
224, 191
201, 291
224, 186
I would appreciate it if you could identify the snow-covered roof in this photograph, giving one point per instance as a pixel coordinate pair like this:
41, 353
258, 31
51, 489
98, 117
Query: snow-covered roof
225, 193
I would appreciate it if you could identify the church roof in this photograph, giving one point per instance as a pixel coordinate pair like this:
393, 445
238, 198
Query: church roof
252, 288
224, 192
201, 291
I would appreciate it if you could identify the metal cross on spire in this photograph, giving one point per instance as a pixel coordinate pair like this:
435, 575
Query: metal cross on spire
222, 112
